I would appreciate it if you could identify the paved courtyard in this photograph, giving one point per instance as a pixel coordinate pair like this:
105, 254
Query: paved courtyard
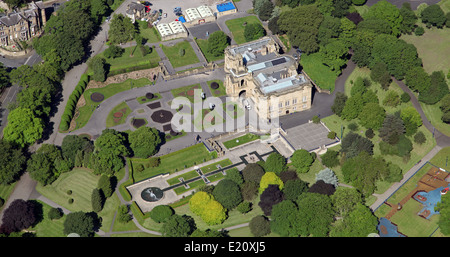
308, 136
200, 31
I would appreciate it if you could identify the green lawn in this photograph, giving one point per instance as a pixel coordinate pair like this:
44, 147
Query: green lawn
240, 140
80, 180
112, 121
86, 111
237, 28
172, 52
203, 45
432, 47
128, 61
173, 162
150, 34
221, 91
322, 76
187, 91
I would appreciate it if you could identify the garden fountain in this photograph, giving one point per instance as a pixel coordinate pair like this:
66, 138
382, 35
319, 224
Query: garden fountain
152, 194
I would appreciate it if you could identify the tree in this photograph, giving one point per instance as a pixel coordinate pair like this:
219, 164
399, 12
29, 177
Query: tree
97, 200
329, 29
353, 107
409, 18
340, 8
249, 190
330, 158
177, 226
392, 99
352, 144
106, 185
161, 213
392, 128
55, 213
345, 199
113, 141
12, 162
444, 210
270, 178
437, 90
227, 193
347, 29
19, 215
235, 176
398, 55
4, 77
265, 12
217, 42
380, 74
301, 24
411, 119
98, 9
210, 211
359, 2
363, 171
81, 223
358, 223
372, 116
71, 144
302, 160
271, 196
334, 55
252, 173
97, 65
433, 15
328, 176
275, 163
420, 138
121, 29
123, 214
339, 103
23, 127
259, 226
144, 141
42, 169
445, 108
388, 12
284, 218
417, 79
315, 214
113, 51
253, 31
323, 188
273, 25
294, 188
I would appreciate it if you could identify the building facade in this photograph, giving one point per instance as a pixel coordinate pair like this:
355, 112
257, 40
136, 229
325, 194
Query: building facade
22, 25
262, 79
137, 11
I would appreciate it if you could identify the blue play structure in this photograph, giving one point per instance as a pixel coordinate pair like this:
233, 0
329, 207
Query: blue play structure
429, 201
387, 229
181, 18
225, 7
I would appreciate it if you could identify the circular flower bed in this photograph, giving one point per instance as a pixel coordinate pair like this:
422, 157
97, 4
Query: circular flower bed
214, 85
118, 114
162, 116
149, 96
190, 92
97, 97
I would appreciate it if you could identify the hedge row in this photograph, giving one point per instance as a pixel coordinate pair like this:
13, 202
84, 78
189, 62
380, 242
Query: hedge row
72, 103
134, 68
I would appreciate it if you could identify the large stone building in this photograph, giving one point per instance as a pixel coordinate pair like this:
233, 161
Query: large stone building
264, 80
137, 11
22, 25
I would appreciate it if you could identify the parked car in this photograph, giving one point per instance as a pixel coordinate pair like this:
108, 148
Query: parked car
108, 19
165, 15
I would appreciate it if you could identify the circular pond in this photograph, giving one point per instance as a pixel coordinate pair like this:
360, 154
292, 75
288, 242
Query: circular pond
152, 194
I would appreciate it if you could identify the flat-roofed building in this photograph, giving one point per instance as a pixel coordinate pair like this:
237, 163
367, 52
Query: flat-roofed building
172, 30
199, 15
260, 77
225, 8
